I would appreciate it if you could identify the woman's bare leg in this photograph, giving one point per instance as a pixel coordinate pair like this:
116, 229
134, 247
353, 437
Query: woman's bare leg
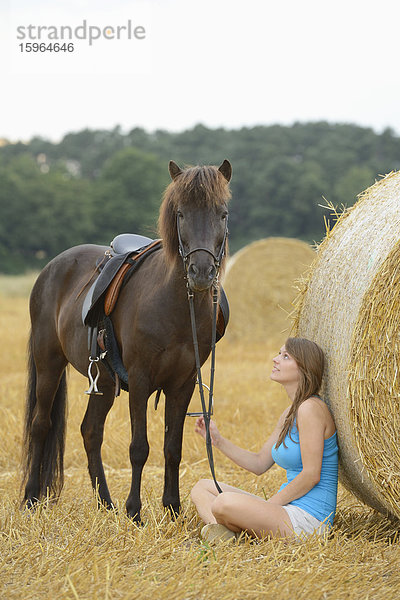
204, 494
251, 514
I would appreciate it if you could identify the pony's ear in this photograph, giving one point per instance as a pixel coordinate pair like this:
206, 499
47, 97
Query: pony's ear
174, 170
226, 170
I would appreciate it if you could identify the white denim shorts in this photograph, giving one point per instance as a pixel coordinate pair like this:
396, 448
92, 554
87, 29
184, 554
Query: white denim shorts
303, 523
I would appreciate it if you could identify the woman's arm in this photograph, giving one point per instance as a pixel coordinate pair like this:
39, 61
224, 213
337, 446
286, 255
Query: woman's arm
255, 462
311, 426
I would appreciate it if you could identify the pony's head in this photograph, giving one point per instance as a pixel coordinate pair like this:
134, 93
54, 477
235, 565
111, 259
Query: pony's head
193, 220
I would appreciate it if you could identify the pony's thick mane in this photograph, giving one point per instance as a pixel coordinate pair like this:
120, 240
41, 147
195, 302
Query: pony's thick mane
202, 186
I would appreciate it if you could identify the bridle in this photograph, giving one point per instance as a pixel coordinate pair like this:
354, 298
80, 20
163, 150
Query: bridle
215, 287
185, 255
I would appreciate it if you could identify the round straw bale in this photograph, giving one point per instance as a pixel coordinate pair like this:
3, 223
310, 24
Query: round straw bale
260, 285
350, 305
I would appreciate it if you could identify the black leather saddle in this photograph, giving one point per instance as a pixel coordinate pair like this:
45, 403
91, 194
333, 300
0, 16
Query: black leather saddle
122, 248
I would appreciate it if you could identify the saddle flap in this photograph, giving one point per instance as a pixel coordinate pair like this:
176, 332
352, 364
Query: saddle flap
114, 288
109, 282
223, 314
87, 303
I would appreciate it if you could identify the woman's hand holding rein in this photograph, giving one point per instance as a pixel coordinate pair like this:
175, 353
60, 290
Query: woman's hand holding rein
255, 462
200, 428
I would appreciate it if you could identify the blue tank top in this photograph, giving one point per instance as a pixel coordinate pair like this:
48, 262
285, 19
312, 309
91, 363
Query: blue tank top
320, 501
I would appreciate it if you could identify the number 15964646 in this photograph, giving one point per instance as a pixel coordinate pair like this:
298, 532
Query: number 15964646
42, 47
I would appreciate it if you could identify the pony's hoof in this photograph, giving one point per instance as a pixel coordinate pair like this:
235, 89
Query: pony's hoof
134, 516
29, 505
174, 511
106, 506
136, 520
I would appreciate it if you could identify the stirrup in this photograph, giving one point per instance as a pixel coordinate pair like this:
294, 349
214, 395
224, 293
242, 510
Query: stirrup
201, 414
93, 389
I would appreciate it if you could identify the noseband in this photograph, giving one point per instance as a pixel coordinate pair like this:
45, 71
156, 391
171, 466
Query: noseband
185, 255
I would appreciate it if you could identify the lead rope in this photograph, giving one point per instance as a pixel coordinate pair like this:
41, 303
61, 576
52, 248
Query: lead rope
206, 414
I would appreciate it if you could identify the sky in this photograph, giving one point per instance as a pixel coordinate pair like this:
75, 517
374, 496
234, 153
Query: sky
221, 63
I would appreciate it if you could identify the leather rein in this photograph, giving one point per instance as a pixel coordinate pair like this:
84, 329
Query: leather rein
205, 413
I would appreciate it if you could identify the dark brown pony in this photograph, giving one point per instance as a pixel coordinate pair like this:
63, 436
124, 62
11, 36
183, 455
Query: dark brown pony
152, 326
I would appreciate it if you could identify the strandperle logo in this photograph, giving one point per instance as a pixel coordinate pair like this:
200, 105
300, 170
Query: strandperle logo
89, 33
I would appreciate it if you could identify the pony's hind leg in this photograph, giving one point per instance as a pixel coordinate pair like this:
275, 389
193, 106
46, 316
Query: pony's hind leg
44, 435
92, 430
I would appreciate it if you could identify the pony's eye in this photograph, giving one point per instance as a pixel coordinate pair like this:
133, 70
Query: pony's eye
224, 216
180, 215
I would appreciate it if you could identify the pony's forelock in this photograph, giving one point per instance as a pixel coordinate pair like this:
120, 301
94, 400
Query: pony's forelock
201, 185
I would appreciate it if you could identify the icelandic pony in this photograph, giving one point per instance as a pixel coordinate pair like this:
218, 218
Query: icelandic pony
152, 326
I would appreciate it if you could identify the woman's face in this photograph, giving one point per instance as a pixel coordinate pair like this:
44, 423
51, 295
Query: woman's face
285, 369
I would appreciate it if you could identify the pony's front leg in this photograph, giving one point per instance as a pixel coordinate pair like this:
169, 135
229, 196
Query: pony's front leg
139, 447
92, 430
176, 405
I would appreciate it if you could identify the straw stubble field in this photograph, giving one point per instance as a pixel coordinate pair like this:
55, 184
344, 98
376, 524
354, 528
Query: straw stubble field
72, 550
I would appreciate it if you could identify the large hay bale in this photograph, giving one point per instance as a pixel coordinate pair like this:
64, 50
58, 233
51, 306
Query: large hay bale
350, 305
260, 285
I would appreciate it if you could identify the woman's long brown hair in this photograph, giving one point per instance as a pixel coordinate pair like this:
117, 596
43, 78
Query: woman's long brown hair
310, 361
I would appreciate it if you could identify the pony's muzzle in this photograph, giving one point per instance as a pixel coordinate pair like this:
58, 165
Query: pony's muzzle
201, 276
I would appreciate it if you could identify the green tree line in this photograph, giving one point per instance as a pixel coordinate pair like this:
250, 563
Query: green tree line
95, 184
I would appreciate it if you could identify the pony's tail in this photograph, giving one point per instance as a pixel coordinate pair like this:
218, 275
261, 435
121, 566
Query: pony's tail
51, 471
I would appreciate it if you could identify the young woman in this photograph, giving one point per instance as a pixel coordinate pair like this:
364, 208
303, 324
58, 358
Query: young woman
303, 443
